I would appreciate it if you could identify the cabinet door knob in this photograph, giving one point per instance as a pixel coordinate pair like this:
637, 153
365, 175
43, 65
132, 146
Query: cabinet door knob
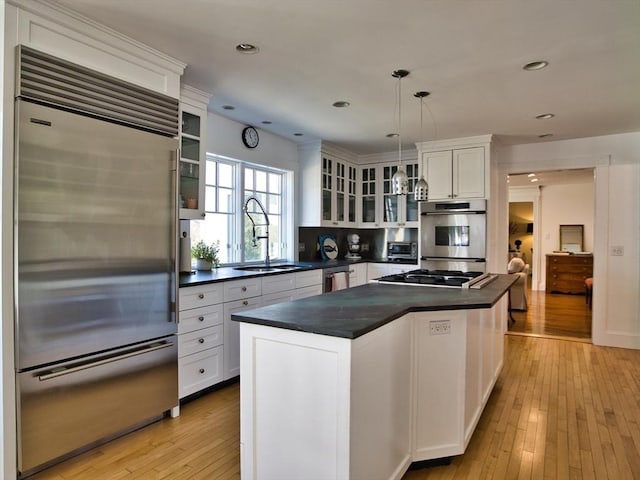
201, 296
245, 302
201, 370
201, 340
244, 289
201, 319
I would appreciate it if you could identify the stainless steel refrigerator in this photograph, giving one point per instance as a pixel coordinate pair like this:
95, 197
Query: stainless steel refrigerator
95, 249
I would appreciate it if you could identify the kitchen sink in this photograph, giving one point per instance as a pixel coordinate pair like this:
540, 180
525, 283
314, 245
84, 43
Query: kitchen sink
271, 268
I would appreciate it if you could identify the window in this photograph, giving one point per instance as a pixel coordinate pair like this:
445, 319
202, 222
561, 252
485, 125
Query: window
229, 184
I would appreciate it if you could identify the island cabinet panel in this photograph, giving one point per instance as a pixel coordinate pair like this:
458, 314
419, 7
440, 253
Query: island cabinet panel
315, 406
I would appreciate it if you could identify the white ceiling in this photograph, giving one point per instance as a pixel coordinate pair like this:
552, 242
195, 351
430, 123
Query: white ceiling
468, 53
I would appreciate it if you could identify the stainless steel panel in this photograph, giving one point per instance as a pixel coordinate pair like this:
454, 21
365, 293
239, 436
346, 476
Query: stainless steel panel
475, 225
95, 243
70, 405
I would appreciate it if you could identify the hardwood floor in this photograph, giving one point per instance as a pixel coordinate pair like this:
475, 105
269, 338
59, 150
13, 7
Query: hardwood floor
554, 315
560, 409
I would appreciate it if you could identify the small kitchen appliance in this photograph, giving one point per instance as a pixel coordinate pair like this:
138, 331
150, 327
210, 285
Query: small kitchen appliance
402, 251
354, 247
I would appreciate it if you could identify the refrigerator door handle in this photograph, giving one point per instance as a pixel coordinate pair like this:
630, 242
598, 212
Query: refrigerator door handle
94, 363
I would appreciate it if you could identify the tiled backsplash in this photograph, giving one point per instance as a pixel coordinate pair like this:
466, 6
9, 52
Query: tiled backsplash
372, 241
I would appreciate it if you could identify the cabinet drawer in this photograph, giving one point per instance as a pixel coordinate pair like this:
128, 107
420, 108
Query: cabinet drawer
308, 291
278, 297
308, 278
238, 289
278, 283
200, 295
199, 340
200, 370
197, 318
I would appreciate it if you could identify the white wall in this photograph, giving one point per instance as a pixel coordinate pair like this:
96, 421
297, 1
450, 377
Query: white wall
616, 312
224, 137
570, 204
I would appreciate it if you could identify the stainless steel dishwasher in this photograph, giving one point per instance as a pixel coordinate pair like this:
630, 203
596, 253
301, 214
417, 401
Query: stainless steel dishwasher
328, 284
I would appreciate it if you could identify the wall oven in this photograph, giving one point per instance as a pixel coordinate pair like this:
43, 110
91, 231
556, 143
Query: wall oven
453, 235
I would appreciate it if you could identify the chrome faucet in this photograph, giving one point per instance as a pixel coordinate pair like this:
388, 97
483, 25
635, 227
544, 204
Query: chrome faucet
255, 238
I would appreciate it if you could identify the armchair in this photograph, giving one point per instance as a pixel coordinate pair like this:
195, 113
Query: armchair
518, 291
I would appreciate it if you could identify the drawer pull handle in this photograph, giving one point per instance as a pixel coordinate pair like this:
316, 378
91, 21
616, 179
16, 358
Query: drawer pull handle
201, 370
201, 340
201, 319
244, 289
201, 296
245, 302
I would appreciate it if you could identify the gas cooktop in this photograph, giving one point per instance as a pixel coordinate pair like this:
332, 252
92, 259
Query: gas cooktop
440, 278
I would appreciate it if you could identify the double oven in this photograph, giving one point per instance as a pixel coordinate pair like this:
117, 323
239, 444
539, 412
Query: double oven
453, 235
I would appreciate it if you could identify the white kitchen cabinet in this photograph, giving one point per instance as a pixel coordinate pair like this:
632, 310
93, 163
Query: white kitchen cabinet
239, 295
328, 182
191, 175
455, 174
399, 210
370, 199
200, 338
357, 274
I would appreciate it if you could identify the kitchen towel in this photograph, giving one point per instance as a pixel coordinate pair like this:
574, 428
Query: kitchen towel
338, 281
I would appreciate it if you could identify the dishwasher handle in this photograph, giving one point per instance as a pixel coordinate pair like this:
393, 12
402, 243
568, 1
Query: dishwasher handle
103, 361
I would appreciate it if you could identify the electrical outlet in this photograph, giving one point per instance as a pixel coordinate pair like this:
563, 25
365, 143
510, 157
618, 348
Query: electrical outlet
440, 327
617, 250
365, 247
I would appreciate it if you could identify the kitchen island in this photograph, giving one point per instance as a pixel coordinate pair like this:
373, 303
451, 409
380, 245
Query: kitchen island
360, 383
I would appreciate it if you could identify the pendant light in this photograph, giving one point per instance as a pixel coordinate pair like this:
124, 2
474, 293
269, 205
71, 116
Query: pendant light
421, 191
399, 181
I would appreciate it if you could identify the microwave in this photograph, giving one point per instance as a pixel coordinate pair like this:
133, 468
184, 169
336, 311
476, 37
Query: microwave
402, 251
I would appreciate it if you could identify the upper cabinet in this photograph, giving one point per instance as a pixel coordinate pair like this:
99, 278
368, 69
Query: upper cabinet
328, 185
399, 210
457, 172
193, 121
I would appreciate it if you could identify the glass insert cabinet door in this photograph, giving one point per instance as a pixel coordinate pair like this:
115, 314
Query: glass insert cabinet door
327, 188
368, 185
189, 161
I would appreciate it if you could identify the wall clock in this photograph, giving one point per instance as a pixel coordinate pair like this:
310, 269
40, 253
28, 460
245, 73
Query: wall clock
250, 137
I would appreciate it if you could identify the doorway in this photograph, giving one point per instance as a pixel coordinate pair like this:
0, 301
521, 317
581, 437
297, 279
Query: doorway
539, 202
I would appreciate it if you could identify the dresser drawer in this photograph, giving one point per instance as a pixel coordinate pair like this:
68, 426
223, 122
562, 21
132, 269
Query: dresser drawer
200, 370
199, 340
239, 289
200, 295
198, 318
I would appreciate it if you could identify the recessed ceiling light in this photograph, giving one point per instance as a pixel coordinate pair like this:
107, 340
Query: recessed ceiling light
298, 134
545, 135
228, 107
534, 180
537, 65
391, 135
531, 175
545, 116
247, 48
266, 122
341, 104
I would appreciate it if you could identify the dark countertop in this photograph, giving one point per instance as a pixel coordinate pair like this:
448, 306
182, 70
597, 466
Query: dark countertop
356, 311
223, 274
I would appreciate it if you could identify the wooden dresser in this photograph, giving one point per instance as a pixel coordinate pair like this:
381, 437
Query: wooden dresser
566, 273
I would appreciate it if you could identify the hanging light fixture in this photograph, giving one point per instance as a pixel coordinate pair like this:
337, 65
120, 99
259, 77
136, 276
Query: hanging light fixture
421, 190
399, 181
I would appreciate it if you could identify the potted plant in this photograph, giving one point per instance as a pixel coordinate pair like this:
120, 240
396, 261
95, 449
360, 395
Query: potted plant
206, 255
